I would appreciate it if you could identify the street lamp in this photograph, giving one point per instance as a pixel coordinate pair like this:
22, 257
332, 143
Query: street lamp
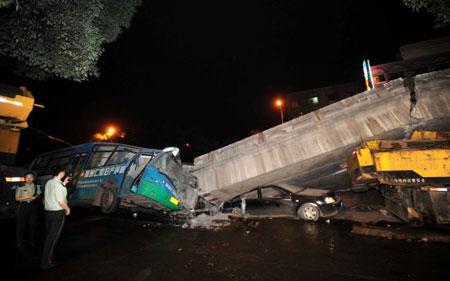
279, 103
110, 133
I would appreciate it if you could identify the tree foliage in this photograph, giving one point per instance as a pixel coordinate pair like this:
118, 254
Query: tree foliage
440, 9
6, 3
61, 37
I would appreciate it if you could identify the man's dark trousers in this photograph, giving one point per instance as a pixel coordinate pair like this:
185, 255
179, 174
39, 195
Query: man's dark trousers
54, 222
27, 215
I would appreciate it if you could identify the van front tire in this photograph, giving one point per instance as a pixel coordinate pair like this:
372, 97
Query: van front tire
109, 202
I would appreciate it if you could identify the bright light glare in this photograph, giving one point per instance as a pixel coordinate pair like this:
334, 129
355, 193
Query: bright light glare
111, 130
110, 133
279, 103
17, 103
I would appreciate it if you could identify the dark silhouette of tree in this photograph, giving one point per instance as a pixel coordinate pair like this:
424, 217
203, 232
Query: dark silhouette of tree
440, 9
43, 38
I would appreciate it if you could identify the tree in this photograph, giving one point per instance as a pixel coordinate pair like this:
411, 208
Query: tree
5, 3
440, 9
42, 38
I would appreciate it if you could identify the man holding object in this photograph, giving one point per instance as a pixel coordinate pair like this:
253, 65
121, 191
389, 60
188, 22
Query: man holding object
56, 208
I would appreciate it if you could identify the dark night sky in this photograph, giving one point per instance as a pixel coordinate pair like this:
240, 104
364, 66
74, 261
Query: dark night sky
207, 72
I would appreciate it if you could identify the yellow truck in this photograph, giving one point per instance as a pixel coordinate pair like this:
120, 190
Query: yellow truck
15, 106
413, 175
16, 103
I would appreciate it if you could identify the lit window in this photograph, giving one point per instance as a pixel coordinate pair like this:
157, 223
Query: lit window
313, 100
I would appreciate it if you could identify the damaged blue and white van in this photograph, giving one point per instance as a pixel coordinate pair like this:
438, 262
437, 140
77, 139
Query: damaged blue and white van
111, 175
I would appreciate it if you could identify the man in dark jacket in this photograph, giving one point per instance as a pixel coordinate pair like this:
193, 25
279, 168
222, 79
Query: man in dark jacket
28, 211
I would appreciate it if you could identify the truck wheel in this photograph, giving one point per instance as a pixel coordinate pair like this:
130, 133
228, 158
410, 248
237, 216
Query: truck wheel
110, 202
308, 212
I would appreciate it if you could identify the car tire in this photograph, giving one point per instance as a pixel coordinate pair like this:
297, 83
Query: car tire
109, 202
308, 212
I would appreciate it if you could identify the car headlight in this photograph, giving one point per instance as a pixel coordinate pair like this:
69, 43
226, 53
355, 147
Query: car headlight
329, 200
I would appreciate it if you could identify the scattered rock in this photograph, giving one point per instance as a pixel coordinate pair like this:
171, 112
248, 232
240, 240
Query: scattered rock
208, 222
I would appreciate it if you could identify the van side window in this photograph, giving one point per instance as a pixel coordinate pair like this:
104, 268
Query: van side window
105, 148
98, 159
121, 157
57, 162
41, 163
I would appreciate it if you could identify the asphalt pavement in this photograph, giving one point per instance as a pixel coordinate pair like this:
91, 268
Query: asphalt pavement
121, 247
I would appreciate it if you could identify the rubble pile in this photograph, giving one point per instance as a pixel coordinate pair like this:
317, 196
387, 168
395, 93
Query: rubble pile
213, 222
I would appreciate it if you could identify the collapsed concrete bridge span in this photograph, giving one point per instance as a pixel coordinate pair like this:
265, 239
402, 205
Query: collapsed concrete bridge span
307, 151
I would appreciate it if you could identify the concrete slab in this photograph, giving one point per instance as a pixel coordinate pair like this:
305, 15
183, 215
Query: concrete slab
307, 151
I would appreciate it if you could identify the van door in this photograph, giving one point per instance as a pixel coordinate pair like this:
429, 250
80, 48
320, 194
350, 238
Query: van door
75, 169
134, 169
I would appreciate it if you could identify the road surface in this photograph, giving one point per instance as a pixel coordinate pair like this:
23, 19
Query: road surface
98, 247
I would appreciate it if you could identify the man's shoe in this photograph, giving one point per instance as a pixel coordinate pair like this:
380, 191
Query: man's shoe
48, 266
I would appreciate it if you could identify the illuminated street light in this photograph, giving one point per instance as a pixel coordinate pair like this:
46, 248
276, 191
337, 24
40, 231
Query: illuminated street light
279, 103
110, 134
111, 131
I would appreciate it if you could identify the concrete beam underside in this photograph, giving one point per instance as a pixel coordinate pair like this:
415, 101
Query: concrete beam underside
307, 151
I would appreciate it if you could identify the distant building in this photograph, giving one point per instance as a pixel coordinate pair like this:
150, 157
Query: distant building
416, 58
302, 102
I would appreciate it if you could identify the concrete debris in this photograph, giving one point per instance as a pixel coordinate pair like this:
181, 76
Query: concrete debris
361, 208
209, 222
384, 212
